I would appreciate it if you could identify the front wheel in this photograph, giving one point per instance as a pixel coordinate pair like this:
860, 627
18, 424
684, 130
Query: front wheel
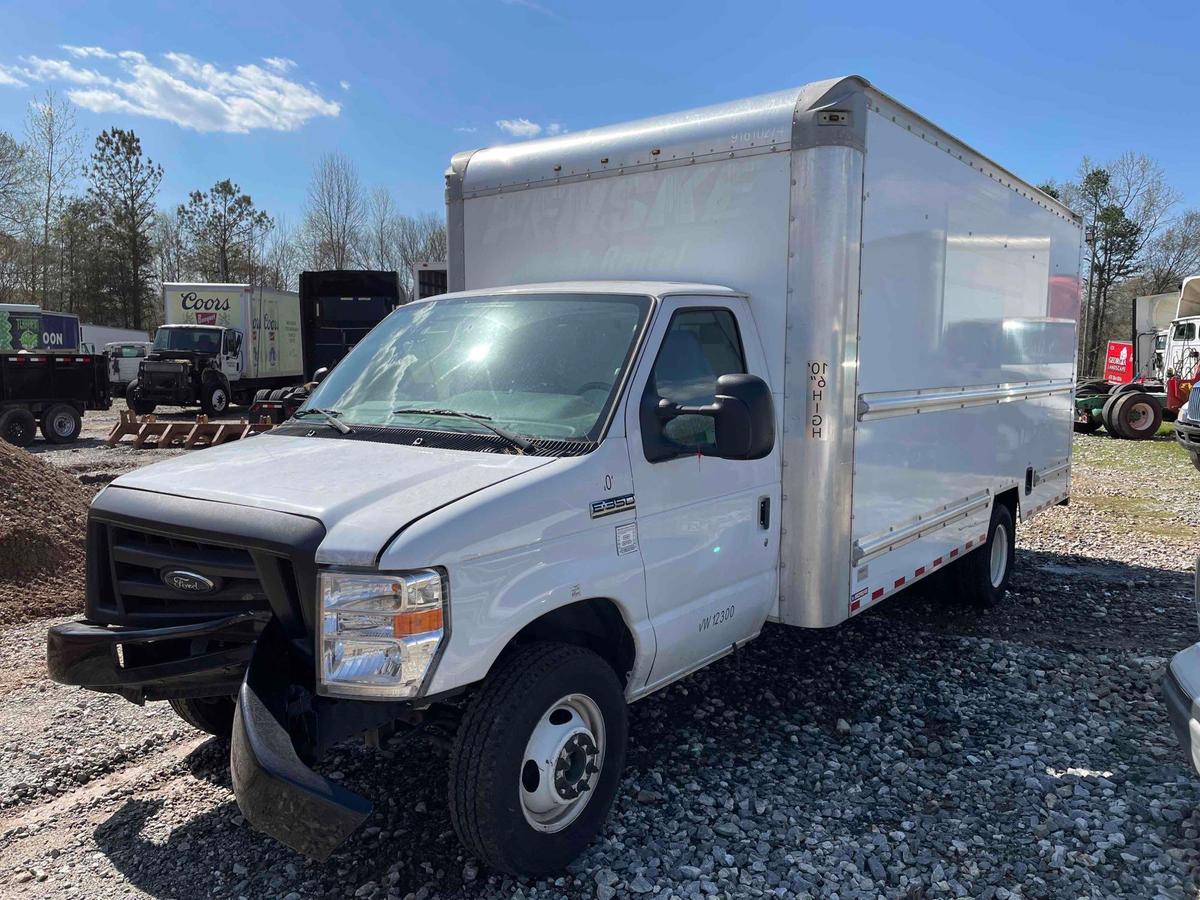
135, 401
1195, 460
537, 759
214, 399
211, 714
984, 573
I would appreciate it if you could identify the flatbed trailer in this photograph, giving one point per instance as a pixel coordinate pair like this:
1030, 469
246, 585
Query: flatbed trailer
51, 391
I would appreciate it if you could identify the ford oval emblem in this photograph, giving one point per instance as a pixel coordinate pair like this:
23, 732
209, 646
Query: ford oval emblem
188, 582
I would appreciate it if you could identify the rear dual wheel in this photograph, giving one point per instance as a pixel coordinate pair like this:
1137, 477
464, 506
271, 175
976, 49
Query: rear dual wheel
61, 424
981, 577
1136, 416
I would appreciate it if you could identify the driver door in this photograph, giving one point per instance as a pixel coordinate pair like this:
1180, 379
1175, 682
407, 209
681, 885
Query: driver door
707, 527
231, 354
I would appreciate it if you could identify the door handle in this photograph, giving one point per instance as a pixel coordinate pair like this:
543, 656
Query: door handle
764, 513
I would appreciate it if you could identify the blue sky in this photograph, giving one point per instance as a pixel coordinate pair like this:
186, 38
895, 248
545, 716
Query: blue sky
256, 91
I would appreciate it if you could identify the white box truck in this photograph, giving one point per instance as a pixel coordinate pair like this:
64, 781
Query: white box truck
770, 361
221, 344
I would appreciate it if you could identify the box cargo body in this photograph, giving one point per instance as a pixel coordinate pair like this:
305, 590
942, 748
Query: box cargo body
60, 331
917, 304
269, 321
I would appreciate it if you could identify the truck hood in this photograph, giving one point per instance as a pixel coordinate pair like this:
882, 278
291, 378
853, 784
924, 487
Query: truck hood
362, 492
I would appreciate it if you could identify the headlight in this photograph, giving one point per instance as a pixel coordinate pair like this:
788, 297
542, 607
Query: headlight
379, 633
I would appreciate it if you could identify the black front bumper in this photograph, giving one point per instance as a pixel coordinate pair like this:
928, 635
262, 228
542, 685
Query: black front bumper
155, 663
1187, 435
280, 727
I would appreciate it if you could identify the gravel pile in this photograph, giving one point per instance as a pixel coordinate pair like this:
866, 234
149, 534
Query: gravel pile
43, 512
920, 750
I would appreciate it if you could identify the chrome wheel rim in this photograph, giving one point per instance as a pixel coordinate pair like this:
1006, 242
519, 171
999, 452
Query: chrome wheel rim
562, 763
999, 558
218, 400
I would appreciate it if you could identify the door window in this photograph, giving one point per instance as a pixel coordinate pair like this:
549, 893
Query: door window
1185, 331
700, 346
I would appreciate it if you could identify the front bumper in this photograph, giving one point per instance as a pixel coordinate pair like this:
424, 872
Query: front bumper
1181, 687
279, 728
203, 659
1187, 435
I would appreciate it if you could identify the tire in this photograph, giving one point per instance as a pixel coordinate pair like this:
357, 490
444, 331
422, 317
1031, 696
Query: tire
1106, 414
276, 394
61, 424
211, 714
1137, 416
1195, 460
981, 580
214, 398
261, 394
504, 810
18, 427
135, 401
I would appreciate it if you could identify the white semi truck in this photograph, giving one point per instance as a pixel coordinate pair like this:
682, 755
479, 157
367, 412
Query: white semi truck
766, 363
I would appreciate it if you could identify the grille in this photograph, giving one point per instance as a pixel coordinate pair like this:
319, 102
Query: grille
138, 561
1193, 406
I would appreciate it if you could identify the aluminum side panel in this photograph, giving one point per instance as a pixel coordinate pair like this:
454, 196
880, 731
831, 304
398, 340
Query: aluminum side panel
966, 285
819, 384
724, 222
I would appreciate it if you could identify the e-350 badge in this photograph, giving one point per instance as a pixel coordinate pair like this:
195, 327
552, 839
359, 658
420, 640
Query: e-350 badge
611, 505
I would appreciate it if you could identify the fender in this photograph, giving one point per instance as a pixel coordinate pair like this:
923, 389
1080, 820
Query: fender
209, 374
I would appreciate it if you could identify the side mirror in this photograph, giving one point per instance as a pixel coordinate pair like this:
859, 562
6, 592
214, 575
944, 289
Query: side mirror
742, 411
319, 375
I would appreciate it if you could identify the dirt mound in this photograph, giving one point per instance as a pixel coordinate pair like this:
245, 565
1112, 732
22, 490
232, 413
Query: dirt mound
43, 515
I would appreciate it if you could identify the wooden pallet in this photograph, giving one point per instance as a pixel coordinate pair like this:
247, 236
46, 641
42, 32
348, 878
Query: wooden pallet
149, 433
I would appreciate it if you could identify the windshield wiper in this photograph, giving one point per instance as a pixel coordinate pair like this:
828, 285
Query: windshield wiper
522, 444
330, 416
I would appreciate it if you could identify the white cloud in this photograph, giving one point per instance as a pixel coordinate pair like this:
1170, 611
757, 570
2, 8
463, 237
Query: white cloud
82, 52
187, 91
464, 129
532, 6
525, 129
521, 128
344, 84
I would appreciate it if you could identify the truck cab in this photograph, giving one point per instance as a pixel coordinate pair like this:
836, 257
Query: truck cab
188, 365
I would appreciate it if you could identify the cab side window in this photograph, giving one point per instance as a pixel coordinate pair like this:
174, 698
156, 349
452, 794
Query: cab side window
700, 346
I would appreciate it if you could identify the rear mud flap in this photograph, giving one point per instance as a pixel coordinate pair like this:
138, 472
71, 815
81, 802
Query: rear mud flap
275, 790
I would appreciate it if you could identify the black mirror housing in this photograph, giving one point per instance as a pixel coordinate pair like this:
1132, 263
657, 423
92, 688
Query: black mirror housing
744, 416
743, 413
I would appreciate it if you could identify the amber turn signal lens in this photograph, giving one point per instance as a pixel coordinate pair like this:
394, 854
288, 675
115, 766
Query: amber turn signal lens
417, 622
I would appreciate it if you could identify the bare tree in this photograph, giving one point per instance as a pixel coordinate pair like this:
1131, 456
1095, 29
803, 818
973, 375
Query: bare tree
1172, 255
1124, 204
379, 240
336, 212
281, 261
170, 248
420, 238
54, 152
14, 181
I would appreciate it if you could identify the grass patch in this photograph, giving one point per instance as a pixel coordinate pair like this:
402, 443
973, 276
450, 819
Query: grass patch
1148, 516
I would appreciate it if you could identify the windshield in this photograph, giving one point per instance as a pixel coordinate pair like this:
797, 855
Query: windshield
539, 365
188, 340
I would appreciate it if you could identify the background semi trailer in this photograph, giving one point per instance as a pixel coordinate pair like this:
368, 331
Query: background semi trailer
771, 361
221, 344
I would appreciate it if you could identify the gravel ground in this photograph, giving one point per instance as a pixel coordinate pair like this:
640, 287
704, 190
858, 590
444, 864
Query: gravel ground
919, 750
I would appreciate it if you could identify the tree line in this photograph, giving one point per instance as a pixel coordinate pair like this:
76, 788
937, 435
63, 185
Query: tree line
87, 232
1138, 241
